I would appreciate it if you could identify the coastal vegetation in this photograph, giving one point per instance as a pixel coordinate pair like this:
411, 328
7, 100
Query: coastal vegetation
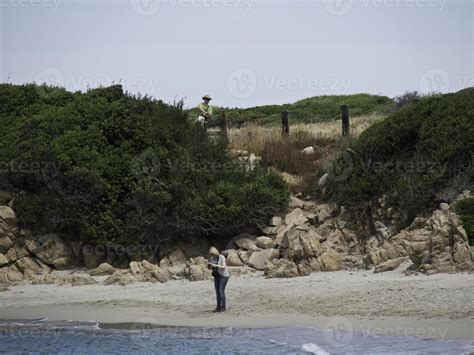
310, 110
419, 156
110, 167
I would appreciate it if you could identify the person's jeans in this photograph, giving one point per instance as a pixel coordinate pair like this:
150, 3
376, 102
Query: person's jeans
220, 282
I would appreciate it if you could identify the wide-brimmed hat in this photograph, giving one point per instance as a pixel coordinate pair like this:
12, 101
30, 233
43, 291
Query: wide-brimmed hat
206, 97
213, 251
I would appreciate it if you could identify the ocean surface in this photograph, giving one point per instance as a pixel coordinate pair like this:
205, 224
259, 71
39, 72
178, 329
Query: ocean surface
69, 337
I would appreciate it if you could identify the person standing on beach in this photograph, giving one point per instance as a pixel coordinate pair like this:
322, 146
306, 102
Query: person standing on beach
221, 275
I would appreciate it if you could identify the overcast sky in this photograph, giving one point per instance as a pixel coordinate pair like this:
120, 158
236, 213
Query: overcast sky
241, 52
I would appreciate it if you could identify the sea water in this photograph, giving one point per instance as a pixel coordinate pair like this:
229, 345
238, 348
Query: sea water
69, 337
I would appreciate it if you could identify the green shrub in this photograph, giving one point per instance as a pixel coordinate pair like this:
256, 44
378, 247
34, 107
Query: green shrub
410, 156
465, 209
114, 168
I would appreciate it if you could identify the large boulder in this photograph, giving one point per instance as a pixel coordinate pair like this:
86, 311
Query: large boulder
196, 269
13, 274
258, 259
121, 277
27, 263
280, 268
331, 260
3, 260
246, 244
295, 218
154, 273
301, 243
264, 243
7, 214
325, 211
5, 244
53, 251
233, 259
244, 255
103, 269
177, 257
389, 265
137, 270
295, 203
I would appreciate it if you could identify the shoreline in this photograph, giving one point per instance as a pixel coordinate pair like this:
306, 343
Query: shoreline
391, 304
140, 319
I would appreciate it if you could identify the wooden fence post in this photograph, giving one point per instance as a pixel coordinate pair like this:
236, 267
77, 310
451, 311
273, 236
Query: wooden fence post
345, 120
285, 125
224, 126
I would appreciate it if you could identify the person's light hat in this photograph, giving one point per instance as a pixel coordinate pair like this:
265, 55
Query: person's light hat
213, 251
206, 97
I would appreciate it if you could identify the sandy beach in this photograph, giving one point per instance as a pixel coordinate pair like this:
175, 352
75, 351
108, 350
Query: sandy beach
439, 306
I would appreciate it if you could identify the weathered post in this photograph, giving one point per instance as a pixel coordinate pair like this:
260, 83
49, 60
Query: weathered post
223, 126
285, 126
345, 120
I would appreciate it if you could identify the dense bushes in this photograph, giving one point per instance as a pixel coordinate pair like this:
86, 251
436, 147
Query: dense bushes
314, 109
114, 168
465, 209
413, 156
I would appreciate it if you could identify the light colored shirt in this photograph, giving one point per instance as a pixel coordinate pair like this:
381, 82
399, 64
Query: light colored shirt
221, 262
205, 108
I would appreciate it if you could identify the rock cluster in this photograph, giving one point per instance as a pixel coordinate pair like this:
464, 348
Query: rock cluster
435, 244
309, 237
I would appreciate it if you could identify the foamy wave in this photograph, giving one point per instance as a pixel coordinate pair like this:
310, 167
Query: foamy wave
314, 349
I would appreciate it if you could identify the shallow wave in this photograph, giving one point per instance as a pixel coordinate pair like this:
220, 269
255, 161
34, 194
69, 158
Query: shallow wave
314, 349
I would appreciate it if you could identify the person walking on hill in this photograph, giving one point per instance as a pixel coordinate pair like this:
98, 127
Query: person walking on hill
221, 275
205, 111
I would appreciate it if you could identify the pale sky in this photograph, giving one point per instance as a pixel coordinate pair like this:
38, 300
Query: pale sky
241, 52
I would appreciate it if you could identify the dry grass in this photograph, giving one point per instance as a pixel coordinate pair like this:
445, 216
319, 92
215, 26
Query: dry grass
254, 138
286, 155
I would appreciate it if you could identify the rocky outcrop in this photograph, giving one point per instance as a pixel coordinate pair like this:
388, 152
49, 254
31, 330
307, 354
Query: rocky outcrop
258, 259
435, 244
281, 268
174, 258
145, 271
196, 269
52, 251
